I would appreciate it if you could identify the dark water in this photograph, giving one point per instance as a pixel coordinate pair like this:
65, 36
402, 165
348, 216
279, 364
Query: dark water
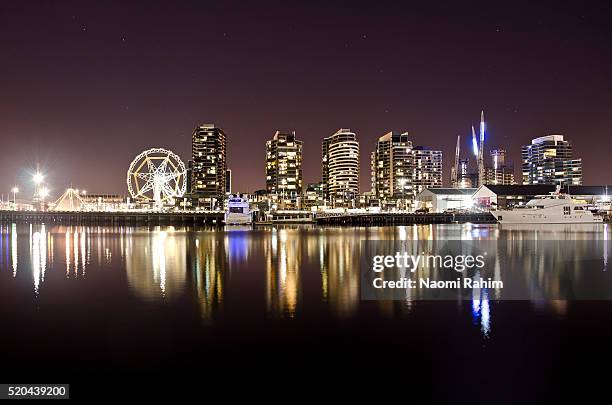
279, 308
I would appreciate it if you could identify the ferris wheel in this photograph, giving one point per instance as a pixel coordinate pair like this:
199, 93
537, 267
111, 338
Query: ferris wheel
157, 175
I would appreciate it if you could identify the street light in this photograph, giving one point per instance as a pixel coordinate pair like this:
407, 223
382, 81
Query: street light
44, 192
15, 190
38, 178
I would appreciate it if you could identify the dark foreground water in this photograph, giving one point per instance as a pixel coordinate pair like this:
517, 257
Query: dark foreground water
169, 311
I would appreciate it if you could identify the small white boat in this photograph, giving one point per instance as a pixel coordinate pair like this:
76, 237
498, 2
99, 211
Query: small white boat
238, 211
555, 208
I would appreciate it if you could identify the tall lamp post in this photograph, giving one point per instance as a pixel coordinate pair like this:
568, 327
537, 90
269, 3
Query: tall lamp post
44, 193
15, 190
37, 179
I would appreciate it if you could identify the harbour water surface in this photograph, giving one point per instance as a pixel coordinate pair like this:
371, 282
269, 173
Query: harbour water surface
281, 305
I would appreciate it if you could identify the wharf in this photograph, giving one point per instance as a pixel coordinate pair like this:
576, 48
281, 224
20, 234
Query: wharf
114, 218
394, 218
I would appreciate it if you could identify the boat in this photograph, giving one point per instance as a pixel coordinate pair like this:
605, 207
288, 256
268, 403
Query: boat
238, 211
555, 208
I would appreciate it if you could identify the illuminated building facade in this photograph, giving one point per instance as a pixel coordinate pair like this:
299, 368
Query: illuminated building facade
550, 160
209, 171
465, 178
499, 171
400, 171
284, 169
313, 196
340, 164
426, 169
392, 168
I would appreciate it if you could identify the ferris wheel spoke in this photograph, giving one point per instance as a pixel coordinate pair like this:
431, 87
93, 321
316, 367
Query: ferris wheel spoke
168, 191
150, 166
174, 176
147, 187
144, 176
162, 166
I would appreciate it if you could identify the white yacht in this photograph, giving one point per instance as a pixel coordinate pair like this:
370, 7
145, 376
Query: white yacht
555, 208
238, 211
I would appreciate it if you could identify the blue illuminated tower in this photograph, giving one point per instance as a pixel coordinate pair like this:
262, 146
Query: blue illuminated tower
481, 167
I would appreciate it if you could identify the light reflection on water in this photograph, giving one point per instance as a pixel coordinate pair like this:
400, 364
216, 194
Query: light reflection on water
300, 266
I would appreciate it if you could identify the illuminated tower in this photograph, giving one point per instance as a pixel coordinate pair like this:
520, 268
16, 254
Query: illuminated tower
455, 168
392, 166
481, 167
208, 176
340, 164
284, 168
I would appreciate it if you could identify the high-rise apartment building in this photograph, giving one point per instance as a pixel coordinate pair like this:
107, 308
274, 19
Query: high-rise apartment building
284, 169
209, 171
340, 164
392, 168
550, 160
426, 169
400, 171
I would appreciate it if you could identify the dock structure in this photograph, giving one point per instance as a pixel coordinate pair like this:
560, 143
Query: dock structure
114, 218
394, 218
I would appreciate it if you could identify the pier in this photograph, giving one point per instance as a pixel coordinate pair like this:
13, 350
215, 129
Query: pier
394, 218
115, 218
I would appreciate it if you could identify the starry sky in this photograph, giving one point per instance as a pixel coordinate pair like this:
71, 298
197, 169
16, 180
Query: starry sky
86, 86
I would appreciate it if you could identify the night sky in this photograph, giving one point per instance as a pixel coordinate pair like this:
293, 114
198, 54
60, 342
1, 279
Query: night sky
84, 88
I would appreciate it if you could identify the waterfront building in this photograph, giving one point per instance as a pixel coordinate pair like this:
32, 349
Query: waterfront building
499, 171
550, 160
209, 170
103, 202
284, 169
426, 169
509, 196
466, 179
340, 168
392, 169
259, 199
78, 200
313, 196
438, 200
400, 171
368, 200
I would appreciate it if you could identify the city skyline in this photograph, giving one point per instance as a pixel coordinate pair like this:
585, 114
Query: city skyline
89, 87
37, 177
